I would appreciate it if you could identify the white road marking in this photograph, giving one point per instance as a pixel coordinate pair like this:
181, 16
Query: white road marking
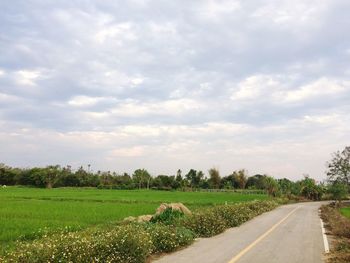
325, 240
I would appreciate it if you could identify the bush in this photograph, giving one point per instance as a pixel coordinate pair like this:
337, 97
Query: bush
168, 238
133, 243
215, 220
127, 244
168, 216
205, 223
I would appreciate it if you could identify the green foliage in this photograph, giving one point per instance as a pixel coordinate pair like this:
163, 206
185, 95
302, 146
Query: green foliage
215, 220
338, 169
204, 223
310, 190
168, 216
271, 186
256, 182
345, 211
241, 178
25, 212
133, 243
235, 215
194, 178
142, 178
339, 191
214, 178
168, 238
129, 244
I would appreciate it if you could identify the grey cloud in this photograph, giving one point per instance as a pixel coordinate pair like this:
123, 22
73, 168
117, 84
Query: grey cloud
132, 61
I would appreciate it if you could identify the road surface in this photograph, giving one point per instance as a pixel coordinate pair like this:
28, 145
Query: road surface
288, 234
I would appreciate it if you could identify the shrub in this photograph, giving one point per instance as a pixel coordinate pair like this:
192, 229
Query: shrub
168, 238
168, 216
205, 223
127, 244
215, 220
133, 243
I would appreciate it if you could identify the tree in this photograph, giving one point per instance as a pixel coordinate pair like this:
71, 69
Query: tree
309, 188
338, 169
271, 186
339, 191
194, 177
214, 178
52, 175
286, 186
142, 178
240, 177
256, 182
179, 176
7, 175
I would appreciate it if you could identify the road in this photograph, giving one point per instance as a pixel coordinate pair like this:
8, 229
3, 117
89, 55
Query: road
288, 234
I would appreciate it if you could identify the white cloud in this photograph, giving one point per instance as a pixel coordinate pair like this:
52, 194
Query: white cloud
85, 101
168, 108
322, 119
6, 98
214, 10
284, 89
318, 88
292, 13
128, 152
256, 86
27, 77
118, 33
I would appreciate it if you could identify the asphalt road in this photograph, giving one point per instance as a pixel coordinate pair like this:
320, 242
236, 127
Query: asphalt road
288, 234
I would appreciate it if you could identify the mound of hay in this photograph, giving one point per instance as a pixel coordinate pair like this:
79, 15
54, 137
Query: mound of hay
175, 207
144, 218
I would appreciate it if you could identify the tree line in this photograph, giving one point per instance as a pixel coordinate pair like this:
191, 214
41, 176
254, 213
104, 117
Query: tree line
57, 176
338, 173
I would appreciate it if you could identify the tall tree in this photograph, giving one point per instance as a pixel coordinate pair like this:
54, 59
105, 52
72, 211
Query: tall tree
215, 178
240, 177
142, 178
194, 177
271, 185
338, 169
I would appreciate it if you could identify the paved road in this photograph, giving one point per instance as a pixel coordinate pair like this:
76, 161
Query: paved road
288, 234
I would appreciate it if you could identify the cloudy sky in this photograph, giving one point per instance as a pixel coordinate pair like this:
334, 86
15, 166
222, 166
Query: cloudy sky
162, 85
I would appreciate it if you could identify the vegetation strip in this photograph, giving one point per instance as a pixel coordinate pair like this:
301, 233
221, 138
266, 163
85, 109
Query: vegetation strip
135, 242
339, 227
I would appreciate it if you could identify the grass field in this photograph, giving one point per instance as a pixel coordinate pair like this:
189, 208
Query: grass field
26, 212
345, 211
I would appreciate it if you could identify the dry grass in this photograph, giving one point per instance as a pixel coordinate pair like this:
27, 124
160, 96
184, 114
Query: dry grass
339, 227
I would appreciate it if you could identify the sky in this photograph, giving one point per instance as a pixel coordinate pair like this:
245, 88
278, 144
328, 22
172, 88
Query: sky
164, 85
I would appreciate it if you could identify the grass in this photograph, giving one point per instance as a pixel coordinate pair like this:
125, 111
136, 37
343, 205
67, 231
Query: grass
339, 227
345, 211
28, 213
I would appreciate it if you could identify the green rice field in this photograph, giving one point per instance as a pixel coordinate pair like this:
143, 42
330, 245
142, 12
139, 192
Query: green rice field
345, 211
28, 213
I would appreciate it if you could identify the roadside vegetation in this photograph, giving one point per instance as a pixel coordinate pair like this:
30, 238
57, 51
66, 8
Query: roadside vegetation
337, 223
337, 215
28, 213
135, 242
